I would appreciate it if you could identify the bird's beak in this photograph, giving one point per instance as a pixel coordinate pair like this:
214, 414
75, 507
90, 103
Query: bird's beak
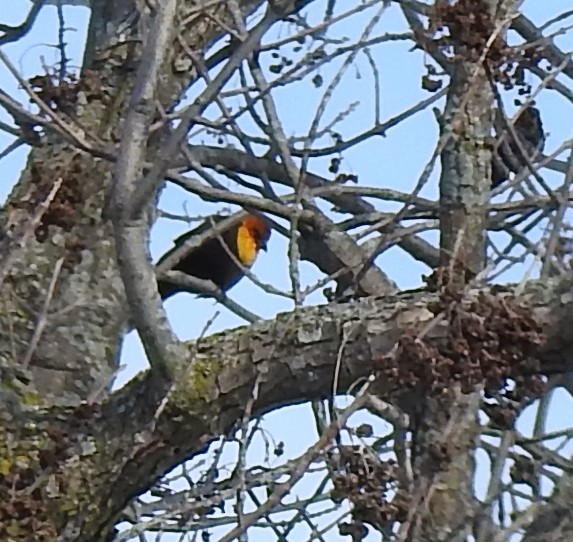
263, 246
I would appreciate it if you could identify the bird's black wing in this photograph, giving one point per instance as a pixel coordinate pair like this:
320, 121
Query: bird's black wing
208, 261
507, 158
202, 228
179, 241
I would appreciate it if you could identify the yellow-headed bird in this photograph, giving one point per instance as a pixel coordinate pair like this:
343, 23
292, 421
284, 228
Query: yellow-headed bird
211, 261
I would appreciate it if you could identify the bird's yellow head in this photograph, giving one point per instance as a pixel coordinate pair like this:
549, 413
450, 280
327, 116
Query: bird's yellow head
253, 234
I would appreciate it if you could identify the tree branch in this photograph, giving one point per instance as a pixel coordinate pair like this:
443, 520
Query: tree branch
131, 228
291, 359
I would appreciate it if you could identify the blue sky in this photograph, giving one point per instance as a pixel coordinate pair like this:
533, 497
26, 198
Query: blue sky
395, 161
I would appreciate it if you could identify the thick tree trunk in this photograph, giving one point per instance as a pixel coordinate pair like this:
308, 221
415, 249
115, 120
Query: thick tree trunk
448, 422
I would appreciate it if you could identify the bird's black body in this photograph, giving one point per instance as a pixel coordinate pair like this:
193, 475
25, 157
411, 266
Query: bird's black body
209, 261
507, 157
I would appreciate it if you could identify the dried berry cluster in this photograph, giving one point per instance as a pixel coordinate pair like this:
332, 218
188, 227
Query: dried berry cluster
365, 481
466, 29
489, 342
23, 511
525, 471
444, 279
31, 478
62, 95
62, 211
467, 25
22, 494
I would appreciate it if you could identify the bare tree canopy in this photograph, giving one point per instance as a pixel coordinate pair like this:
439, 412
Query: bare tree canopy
403, 367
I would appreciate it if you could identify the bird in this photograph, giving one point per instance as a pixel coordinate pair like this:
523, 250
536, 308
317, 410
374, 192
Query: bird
212, 261
506, 156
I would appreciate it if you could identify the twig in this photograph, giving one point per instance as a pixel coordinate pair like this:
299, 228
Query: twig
282, 489
43, 318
